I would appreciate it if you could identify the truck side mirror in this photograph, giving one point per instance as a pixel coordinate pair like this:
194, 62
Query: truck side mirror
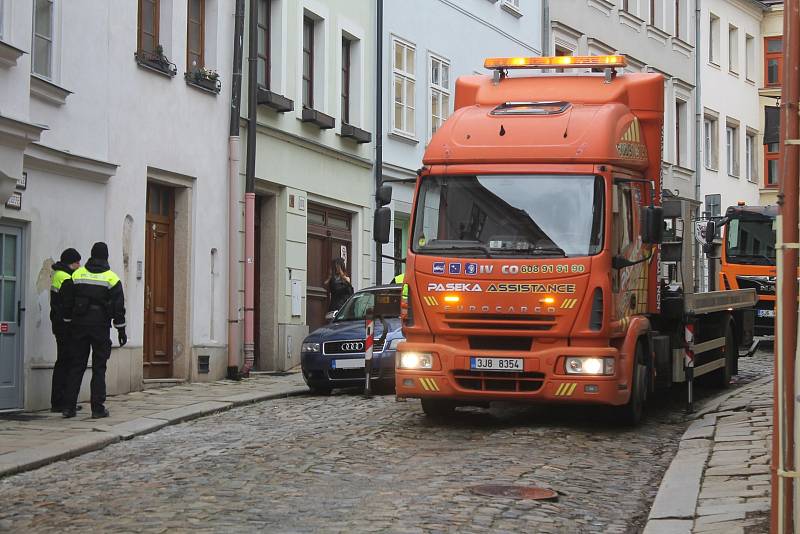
653, 228
711, 230
382, 225
383, 195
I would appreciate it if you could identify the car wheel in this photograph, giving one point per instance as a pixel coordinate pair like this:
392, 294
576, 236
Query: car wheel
438, 408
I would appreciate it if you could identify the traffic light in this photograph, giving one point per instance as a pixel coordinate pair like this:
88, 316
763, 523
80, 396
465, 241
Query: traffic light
382, 225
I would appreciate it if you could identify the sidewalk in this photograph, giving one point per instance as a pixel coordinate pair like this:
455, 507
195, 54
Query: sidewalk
31, 440
719, 482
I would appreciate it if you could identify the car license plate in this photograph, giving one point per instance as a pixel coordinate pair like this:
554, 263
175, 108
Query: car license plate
766, 313
496, 364
357, 363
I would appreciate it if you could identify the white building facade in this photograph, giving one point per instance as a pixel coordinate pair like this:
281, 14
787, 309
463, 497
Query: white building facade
427, 45
655, 36
730, 55
116, 134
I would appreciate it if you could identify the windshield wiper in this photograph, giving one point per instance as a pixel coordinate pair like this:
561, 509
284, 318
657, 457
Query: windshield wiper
460, 246
555, 250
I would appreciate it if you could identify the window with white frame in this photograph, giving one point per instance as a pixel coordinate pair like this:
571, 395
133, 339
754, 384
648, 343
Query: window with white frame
42, 61
513, 4
714, 205
713, 39
750, 57
439, 92
733, 49
732, 148
681, 134
710, 142
750, 157
403, 86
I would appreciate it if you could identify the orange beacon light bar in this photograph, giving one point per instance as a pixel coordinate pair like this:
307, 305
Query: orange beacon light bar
546, 62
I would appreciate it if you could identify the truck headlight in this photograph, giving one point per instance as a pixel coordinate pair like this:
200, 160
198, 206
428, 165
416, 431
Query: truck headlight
581, 365
395, 342
310, 347
416, 360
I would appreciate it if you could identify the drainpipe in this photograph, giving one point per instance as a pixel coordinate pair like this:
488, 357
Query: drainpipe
698, 119
379, 131
233, 195
545, 27
783, 456
250, 191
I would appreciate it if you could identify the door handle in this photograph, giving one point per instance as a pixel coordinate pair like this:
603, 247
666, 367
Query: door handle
20, 311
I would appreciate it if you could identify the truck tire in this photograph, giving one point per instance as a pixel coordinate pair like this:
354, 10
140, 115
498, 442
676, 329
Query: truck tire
438, 408
721, 378
630, 414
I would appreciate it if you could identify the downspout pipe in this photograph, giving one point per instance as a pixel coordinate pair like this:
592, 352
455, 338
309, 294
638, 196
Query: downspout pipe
233, 194
698, 151
250, 191
379, 129
783, 459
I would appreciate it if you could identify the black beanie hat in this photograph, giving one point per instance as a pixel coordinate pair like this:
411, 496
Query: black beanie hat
70, 256
100, 251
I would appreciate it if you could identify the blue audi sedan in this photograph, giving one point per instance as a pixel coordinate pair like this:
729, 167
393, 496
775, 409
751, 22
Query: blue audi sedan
333, 356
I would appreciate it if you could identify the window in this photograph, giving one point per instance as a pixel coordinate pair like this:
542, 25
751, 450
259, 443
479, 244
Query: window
346, 62
439, 92
148, 26
749, 156
773, 60
404, 83
264, 45
308, 63
750, 56
626, 5
195, 35
42, 61
732, 148
681, 132
678, 19
713, 205
2, 17
653, 7
710, 143
713, 39
772, 158
733, 49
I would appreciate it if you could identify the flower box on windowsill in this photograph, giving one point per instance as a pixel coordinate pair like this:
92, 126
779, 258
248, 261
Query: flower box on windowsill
156, 61
279, 103
205, 80
356, 134
324, 122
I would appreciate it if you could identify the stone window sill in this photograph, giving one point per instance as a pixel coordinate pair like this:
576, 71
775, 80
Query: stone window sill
9, 54
48, 91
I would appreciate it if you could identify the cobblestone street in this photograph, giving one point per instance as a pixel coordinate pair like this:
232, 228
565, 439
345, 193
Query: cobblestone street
349, 464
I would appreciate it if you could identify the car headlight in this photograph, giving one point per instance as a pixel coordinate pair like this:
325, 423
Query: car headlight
580, 365
310, 347
416, 360
395, 342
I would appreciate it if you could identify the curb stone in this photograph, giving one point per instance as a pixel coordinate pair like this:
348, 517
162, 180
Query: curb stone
27, 460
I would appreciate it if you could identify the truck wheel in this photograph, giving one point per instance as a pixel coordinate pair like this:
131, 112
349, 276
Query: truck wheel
722, 377
631, 413
438, 408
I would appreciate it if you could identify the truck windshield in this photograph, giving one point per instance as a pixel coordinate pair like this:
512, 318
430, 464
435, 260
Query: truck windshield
751, 241
500, 215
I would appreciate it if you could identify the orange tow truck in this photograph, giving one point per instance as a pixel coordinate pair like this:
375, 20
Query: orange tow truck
545, 264
748, 259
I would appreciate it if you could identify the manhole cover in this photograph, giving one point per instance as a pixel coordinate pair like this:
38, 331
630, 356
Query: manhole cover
515, 492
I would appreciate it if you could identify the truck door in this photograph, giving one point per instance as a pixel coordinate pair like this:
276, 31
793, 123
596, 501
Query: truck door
629, 284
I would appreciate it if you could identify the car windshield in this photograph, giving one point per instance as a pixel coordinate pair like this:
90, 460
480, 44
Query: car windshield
751, 241
520, 215
356, 308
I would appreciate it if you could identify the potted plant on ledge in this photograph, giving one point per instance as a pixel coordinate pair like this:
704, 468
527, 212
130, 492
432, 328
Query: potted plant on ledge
204, 78
156, 60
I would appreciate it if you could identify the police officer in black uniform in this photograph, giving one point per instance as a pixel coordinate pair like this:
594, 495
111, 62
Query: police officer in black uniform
91, 303
62, 276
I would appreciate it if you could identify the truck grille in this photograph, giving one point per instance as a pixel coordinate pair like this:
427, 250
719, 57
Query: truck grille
476, 321
352, 346
494, 381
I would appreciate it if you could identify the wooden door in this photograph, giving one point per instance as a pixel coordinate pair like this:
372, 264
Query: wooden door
329, 237
158, 287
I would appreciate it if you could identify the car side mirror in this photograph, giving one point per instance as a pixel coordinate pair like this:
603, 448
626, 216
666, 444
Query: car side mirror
331, 315
653, 227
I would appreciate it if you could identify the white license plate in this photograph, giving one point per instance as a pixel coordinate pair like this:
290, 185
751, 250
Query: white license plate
765, 313
348, 364
496, 364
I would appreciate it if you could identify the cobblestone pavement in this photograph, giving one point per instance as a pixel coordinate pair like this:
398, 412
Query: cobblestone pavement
348, 464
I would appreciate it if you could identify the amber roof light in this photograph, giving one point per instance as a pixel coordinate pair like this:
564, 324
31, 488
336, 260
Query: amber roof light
546, 62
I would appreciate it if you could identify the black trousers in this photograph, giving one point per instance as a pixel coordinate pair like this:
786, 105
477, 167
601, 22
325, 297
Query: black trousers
58, 390
97, 340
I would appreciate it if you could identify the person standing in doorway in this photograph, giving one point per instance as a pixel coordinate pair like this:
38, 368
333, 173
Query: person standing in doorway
93, 301
62, 276
338, 284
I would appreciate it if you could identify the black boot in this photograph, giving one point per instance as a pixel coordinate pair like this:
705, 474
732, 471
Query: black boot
68, 413
99, 414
